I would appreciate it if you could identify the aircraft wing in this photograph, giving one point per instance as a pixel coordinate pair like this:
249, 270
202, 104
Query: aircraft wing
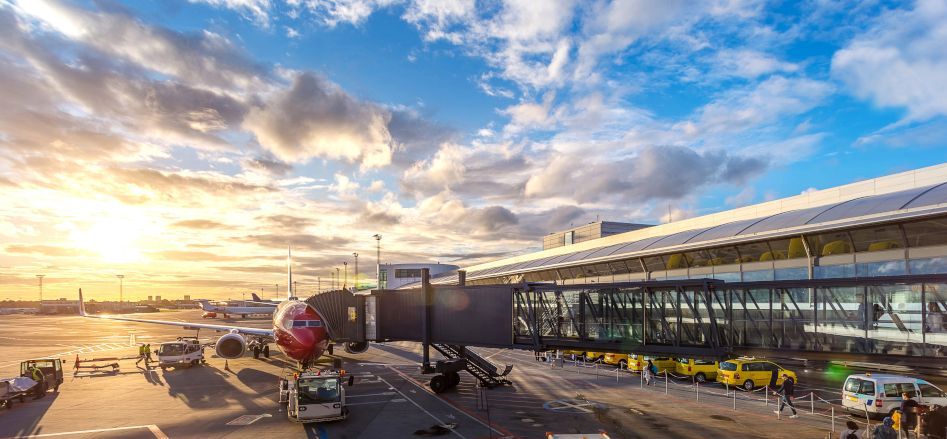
185, 325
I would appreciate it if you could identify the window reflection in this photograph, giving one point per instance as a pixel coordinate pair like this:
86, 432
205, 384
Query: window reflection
785, 249
754, 252
877, 239
828, 244
925, 233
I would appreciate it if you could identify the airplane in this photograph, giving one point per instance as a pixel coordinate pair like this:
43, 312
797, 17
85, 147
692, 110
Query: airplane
211, 310
298, 331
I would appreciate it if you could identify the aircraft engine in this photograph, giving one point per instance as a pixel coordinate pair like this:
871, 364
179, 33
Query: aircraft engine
232, 345
356, 347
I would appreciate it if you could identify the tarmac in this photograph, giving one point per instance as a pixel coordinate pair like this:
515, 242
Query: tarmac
390, 398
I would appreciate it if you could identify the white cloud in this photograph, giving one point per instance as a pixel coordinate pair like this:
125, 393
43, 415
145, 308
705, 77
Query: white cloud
257, 9
900, 61
315, 118
750, 64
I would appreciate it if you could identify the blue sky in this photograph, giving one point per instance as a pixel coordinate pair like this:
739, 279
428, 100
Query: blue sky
462, 130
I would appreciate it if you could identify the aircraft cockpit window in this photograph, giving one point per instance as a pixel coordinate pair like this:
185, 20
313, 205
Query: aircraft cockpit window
319, 390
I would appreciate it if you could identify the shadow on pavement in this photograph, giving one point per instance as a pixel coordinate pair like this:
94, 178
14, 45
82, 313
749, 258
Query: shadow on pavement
22, 418
206, 387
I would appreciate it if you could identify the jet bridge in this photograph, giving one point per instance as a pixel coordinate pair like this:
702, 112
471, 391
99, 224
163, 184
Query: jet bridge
895, 319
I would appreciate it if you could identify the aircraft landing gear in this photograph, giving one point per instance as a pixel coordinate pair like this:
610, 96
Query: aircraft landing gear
266, 351
256, 352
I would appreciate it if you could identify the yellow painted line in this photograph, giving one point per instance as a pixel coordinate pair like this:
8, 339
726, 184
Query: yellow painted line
152, 428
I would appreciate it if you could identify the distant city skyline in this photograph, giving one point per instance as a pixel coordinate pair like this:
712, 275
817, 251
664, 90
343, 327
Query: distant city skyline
185, 144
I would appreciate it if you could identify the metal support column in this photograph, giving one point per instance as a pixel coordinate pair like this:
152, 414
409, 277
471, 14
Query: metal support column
427, 304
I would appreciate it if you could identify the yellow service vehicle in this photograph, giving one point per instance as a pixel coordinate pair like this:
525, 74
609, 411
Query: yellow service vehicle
701, 370
594, 356
749, 373
620, 360
637, 362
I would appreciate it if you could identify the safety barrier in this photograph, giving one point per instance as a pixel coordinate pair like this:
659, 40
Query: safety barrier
818, 406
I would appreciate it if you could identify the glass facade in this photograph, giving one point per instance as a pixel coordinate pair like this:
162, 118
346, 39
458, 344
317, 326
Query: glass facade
859, 252
898, 319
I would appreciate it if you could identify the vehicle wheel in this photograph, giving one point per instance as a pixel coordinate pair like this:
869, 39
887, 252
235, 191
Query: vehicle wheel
8, 404
256, 352
748, 385
622, 364
439, 383
195, 363
164, 369
266, 351
700, 377
453, 379
243, 316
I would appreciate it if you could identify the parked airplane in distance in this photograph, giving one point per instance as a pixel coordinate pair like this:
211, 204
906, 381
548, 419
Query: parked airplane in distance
211, 310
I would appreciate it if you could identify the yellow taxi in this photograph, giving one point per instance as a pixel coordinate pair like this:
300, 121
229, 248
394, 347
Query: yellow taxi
637, 362
594, 356
620, 360
749, 373
701, 370
573, 354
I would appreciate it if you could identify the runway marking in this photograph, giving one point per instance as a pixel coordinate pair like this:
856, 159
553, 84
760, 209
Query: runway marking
445, 401
371, 394
378, 402
419, 407
152, 428
248, 419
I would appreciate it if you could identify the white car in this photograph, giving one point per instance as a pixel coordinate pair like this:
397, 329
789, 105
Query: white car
880, 394
181, 353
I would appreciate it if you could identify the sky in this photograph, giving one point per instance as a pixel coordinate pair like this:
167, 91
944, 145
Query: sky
187, 144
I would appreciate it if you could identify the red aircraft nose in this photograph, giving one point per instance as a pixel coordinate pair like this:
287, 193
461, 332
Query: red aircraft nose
300, 332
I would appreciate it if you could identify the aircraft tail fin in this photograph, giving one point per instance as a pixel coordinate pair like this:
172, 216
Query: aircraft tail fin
255, 297
204, 304
81, 304
289, 273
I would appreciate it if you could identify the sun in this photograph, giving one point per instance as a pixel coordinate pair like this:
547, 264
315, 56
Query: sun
114, 240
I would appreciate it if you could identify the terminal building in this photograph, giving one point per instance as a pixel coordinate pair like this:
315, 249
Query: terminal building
859, 269
393, 276
893, 225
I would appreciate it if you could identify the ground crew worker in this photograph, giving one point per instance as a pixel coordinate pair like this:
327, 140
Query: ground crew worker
147, 353
37, 374
141, 355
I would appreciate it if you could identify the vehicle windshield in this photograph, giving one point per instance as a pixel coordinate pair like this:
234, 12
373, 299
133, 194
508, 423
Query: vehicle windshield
319, 390
171, 349
930, 391
726, 365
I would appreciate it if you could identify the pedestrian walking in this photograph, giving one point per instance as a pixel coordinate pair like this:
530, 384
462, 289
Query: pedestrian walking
148, 353
885, 430
786, 392
908, 413
851, 431
647, 374
141, 355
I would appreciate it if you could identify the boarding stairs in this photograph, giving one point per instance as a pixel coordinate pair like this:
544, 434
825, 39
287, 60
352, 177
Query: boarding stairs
482, 369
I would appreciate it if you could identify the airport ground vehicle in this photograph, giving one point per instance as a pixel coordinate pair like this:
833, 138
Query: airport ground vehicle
27, 384
594, 356
880, 394
701, 370
52, 372
208, 315
315, 396
573, 354
750, 373
637, 362
185, 352
620, 360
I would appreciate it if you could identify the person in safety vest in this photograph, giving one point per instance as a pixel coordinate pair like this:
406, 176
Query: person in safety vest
141, 355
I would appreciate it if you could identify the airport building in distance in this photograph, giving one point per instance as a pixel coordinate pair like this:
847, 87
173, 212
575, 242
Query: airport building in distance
887, 226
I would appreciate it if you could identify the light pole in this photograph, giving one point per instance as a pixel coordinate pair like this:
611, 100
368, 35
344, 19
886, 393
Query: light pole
40, 276
121, 288
338, 281
345, 277
377, 259
356, 271
277, 290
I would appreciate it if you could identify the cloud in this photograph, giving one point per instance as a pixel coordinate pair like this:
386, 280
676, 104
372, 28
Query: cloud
201, 224
204, 58
307, 242
315, 118
270, 166
258, 10
46, 250
899, 62
646, 176
750, 64
289, 222
193, 256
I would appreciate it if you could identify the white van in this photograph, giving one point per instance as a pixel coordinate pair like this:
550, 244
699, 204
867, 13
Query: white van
185, 352
881, 393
